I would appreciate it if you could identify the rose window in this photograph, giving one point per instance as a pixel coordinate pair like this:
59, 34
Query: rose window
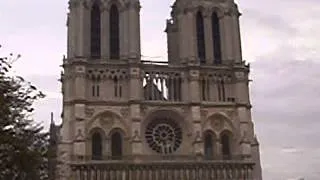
163, 136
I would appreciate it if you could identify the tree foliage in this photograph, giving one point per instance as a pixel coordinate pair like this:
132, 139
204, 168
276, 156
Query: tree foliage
23, 144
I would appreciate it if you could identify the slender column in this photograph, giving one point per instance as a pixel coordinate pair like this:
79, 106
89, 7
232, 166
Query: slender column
228, 36
134, 32
122, 18
105, 27
237, 38
126, 31
183, 41
208, 37
75, 30
191, 35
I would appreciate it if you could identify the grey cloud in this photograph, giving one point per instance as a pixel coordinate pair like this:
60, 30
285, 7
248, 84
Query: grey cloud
265, 21
285, 101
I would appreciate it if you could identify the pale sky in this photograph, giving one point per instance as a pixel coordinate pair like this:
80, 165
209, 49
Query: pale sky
279, 38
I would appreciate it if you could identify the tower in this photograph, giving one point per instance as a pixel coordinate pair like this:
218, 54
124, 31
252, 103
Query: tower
125, 118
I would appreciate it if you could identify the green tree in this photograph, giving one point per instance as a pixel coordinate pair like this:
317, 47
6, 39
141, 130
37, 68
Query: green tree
23, 144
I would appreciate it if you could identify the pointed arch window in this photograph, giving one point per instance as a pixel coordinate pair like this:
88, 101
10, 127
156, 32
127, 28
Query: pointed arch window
208, 145
200, 38
95, 31
225, 142
114, 33
116, 146
96, 146
216, 38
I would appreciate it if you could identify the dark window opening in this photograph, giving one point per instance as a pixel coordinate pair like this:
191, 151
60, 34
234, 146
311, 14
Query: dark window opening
208, 146
114, 33
117, 87
95, 31
200, 38
225, 141
96, 146
216, 38
116, 146
95, 90
221, 91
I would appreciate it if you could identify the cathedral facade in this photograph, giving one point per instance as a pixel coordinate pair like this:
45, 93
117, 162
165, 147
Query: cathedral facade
125, 118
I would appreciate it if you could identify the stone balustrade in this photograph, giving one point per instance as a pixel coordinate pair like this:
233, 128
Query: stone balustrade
163, 171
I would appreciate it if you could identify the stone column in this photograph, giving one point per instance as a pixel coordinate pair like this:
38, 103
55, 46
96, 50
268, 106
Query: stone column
236, 37
191, 36
242, 88
78, 130
208, 37
79, 83
74, 29
194, 89
105, 27
183, 34
227, 37
125, 34
135, 96
134, 32
80, 30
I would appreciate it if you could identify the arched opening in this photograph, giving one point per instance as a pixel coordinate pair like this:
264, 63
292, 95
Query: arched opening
114, 33
216, 38
116, 146
96, 146
208, 145
226, 145
95, 31
200, 38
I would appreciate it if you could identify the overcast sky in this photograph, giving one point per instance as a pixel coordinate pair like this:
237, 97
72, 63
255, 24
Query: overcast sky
279, 38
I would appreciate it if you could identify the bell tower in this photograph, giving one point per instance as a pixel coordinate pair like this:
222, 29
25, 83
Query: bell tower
105, 30
204, 35
204, 32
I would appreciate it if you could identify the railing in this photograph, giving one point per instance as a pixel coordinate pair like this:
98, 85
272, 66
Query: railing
163, 171
160, 158
163, 84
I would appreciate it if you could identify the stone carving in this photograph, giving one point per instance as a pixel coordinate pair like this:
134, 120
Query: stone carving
136, 136
79, 135
89, 111
124, 112
106, 120
203, 113
217, 124
198, 137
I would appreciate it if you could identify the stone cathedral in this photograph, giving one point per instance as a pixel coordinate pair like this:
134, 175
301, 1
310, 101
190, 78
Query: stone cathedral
125, 118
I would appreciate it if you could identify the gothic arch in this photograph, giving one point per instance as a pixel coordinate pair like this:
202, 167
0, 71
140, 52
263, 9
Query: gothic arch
168, 121
226, 140
96, 143
108, 120
209, 144
218, 10
119, 3
166, 112
117, 139
218, 122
